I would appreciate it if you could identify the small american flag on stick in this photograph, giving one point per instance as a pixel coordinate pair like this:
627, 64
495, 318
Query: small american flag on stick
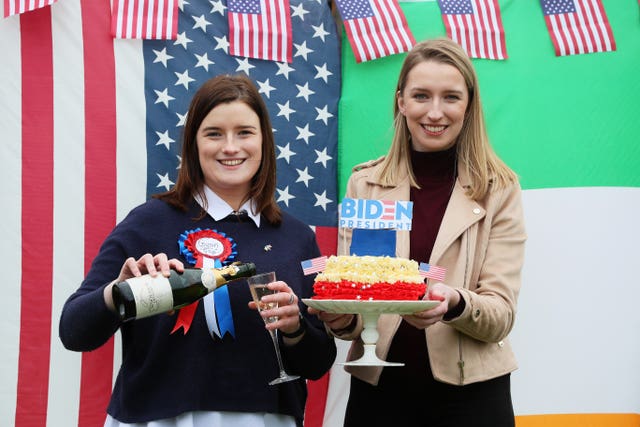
314, 265
432, 271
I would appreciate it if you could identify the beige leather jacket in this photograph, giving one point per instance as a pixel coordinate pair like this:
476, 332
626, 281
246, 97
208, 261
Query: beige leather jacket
481, 245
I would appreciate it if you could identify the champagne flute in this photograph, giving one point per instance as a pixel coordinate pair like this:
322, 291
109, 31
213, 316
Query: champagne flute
258, 287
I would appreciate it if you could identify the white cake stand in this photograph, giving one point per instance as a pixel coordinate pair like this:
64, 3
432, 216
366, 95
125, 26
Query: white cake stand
370, 312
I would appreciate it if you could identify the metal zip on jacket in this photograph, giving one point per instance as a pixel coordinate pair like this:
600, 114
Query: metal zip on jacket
460, 359
466, 273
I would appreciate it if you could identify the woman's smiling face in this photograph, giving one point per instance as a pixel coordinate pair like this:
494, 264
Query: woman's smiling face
434, 102
229, 143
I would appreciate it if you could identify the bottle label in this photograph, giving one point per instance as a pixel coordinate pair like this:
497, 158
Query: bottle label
152, 295
209, 279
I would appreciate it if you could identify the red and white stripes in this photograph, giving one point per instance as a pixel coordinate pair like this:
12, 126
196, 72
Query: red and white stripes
481, 33
145, 19
61, 170
586, 30
16, 7
383, 34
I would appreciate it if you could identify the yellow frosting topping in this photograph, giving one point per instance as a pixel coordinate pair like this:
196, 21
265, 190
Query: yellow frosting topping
370, 269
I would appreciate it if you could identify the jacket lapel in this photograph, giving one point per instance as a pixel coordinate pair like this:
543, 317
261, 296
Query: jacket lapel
461, 213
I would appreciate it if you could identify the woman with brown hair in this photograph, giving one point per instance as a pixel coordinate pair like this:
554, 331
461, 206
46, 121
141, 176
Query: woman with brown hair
206, 367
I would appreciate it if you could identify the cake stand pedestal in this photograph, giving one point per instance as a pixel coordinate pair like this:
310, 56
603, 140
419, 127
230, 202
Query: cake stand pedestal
370, 312
370, 337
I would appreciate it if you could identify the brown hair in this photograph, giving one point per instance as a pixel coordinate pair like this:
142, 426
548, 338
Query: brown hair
218, 90
474, 152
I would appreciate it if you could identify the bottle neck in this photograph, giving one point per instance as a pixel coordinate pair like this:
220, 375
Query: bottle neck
234, 271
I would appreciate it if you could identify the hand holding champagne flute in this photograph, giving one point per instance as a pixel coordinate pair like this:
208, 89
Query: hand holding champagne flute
258, 285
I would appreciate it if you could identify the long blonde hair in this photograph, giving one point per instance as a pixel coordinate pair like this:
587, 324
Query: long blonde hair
474, 152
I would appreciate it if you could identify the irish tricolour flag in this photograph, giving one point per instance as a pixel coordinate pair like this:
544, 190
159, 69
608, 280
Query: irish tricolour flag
570, 129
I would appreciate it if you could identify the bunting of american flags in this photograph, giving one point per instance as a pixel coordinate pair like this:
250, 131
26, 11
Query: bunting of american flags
375, 28
144, 19
476, 25
578, 26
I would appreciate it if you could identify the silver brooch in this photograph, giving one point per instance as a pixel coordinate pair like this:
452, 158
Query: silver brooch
267, 248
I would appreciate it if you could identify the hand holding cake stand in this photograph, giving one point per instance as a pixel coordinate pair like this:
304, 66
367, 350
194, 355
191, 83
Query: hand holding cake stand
370, 312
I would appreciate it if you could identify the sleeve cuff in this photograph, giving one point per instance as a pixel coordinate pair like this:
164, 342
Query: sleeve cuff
455, 311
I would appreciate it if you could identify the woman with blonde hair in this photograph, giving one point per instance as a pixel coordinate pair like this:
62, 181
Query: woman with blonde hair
467, 218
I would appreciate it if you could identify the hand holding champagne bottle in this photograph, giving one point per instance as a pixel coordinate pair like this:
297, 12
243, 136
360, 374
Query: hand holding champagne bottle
148, 295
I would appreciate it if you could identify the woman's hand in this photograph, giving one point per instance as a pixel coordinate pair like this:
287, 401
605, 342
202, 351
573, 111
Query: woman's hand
149, 264
287, 312
448, 298
335, 321
146, 264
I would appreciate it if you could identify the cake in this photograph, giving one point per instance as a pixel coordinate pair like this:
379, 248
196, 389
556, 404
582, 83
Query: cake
369, 278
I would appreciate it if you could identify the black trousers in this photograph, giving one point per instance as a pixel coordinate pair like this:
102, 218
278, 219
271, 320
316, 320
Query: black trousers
409, 396
485, 404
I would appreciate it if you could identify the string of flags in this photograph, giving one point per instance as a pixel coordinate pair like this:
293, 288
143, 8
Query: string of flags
261, 29
575, 27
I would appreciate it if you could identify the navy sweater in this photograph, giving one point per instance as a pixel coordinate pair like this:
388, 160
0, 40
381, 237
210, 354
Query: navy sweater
163, 374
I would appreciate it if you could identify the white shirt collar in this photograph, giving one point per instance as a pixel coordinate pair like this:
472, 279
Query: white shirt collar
219, 209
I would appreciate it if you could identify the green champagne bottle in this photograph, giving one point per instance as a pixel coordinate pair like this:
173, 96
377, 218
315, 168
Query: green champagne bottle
146, 296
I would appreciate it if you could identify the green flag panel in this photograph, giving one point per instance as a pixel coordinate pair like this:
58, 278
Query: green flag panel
570, 121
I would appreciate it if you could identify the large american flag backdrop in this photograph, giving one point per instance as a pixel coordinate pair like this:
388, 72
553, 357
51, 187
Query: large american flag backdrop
91, 128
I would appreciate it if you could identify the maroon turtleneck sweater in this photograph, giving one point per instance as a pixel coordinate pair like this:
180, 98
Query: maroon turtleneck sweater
436, 174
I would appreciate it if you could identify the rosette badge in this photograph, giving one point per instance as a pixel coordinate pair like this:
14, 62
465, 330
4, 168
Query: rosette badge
206, 249
200, 247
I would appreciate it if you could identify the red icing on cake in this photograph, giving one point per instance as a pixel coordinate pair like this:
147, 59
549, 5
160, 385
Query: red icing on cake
362, 291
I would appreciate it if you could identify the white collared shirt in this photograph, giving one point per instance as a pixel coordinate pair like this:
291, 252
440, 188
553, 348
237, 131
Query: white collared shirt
219, 209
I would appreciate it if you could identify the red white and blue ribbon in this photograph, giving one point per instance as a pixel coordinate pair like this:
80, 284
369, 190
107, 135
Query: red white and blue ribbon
206, 248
